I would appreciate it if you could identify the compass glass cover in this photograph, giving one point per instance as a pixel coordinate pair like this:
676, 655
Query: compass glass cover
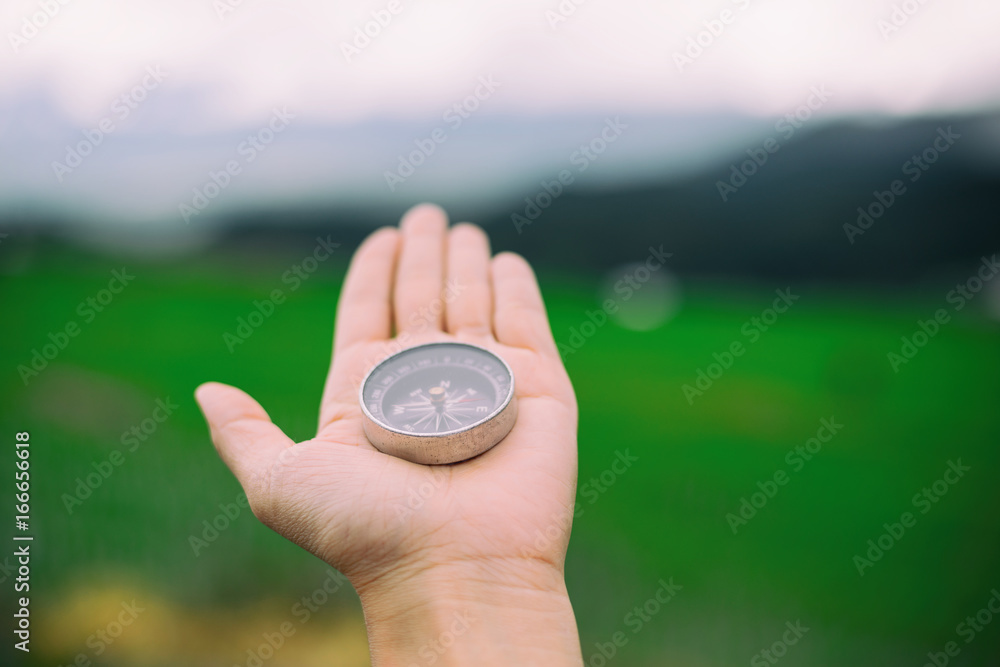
437, 388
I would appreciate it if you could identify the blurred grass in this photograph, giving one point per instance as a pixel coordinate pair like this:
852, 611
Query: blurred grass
664, 517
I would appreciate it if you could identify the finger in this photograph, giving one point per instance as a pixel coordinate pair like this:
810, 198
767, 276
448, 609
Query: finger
420, 273
243, 434
365, 310
470, 305
519, 317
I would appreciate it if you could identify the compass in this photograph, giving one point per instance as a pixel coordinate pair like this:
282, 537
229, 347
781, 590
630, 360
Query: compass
438, 402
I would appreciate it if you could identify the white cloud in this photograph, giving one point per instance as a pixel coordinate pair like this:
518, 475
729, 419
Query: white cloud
614, 56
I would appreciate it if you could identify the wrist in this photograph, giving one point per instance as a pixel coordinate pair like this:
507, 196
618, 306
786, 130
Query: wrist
475, 612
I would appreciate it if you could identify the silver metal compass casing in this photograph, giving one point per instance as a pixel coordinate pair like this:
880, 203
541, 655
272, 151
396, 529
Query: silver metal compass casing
441, 446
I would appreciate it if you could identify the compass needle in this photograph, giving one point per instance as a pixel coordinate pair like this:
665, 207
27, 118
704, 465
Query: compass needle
438, 402
427, 416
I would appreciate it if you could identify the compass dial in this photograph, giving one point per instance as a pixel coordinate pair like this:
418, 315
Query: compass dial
438, 401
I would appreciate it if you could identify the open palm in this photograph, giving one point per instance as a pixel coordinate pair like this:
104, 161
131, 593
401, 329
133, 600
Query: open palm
376, 517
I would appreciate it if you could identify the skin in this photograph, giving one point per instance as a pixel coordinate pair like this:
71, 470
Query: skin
456, 565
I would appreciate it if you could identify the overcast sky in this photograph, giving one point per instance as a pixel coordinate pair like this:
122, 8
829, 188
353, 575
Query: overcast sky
718, 73
237, 58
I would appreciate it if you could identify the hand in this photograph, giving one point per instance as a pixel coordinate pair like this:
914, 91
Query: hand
425, 544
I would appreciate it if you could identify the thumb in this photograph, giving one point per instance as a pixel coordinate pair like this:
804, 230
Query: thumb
243, 434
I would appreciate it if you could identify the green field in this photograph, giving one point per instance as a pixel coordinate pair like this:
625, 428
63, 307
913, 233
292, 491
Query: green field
664, 517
